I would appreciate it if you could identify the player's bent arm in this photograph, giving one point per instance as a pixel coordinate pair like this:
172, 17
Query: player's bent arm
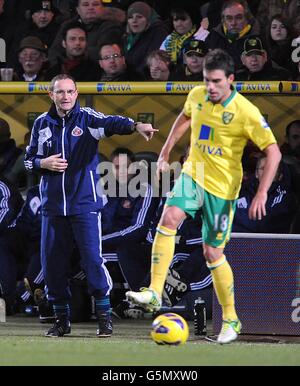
180, 126
178, 129
258, 205
273, 157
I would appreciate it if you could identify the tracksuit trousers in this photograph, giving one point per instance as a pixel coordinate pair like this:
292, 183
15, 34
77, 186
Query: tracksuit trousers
60, 234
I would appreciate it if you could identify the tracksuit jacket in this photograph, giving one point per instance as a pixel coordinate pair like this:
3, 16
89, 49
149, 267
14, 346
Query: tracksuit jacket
281, 206
10, 204
127, 219
76, 138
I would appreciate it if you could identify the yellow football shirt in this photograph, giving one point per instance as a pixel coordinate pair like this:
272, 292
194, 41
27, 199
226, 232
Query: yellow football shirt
219, 133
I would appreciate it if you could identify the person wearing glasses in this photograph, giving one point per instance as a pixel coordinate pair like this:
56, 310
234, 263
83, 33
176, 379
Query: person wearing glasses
237, 25
64, 148
33, 61
113, 64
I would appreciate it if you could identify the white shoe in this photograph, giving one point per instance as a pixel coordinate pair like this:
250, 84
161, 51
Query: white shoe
146, 298
230, 331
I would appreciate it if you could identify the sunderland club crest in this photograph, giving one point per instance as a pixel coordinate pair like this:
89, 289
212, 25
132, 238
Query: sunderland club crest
227, 117
77, 131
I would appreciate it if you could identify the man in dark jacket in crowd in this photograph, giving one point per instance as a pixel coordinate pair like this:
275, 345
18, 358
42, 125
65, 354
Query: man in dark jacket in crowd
236, 25
113, 65
32, 57
75, 61
98, 25
257, 66
41, 23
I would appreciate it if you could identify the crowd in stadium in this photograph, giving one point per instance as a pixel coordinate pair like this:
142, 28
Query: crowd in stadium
94, 40
119, 40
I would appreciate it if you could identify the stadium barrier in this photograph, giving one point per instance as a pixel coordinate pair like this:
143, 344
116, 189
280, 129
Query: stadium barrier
266, 271
155, 102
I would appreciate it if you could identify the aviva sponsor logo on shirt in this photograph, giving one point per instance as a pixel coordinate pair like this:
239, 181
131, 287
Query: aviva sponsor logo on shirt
207, 134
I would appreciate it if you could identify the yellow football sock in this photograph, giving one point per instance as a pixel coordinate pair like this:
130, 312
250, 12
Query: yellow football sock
162, 255
224, 287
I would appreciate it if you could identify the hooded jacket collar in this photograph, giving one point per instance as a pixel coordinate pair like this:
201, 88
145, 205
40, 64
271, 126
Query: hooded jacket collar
53, 117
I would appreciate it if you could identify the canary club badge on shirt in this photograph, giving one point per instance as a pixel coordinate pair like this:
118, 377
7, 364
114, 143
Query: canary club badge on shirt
227, 117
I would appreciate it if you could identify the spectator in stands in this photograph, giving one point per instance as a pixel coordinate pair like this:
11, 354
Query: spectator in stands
32, 60
113, 65
159, 66
40, 24
237, 25
257, 66
100, 28
290, 150
8, 149
278, 42
127, 215
75, 61
291, 153
192, 70
145, 33
281, 204
210, 11
186, 26
289, 9
291, 147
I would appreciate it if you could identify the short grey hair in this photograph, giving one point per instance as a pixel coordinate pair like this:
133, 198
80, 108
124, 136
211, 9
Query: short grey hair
60, 77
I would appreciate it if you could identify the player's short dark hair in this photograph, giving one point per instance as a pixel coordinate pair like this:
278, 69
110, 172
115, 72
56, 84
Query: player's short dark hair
219, 59
296, 122
60, 77
72, 25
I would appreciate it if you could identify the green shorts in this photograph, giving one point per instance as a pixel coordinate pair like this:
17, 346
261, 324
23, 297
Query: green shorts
217, 213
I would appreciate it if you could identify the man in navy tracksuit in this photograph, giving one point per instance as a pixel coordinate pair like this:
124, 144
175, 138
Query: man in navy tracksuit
64, 147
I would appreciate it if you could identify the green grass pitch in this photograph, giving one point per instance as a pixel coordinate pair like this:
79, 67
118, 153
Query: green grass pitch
22, 343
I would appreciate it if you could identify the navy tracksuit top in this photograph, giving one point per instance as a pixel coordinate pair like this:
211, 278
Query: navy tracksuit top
76, 137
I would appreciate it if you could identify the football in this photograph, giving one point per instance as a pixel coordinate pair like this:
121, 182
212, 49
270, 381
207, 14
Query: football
169, 329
